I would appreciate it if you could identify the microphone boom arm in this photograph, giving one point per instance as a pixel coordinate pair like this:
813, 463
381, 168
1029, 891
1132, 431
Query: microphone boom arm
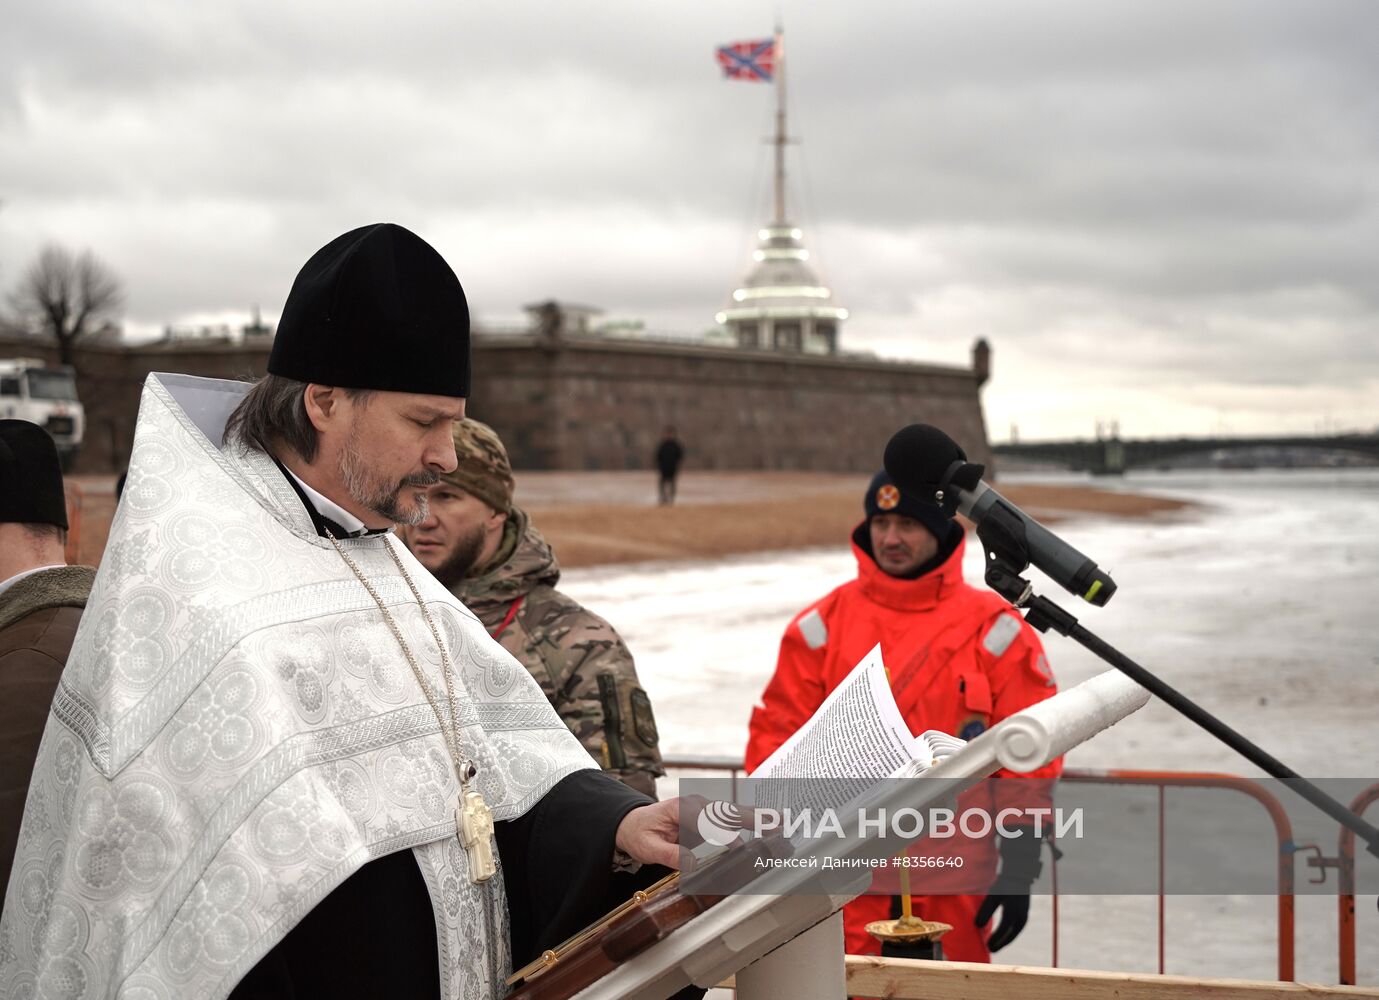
1007, 557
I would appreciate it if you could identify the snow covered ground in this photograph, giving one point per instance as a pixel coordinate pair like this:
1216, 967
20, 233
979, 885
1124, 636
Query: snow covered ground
1259, 606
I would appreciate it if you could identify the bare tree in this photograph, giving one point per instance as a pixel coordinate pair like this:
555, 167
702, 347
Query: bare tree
67, 295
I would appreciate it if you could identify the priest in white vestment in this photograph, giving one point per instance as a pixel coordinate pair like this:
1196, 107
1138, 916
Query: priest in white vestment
283, 761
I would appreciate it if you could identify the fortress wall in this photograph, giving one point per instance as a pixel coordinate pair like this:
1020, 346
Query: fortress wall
110, 378
602, 404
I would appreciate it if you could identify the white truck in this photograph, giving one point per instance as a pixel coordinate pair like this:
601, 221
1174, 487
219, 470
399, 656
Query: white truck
47, 396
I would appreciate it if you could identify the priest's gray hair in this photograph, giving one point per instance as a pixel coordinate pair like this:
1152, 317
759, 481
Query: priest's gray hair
273, 414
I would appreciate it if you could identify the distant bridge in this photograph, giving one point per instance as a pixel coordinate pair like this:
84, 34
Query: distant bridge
1112, 455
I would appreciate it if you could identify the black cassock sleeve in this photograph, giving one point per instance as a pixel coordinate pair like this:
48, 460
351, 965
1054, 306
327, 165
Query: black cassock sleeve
558, 861
375, 935
558, 864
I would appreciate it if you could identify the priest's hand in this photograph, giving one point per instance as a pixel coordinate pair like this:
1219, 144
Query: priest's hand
651, 834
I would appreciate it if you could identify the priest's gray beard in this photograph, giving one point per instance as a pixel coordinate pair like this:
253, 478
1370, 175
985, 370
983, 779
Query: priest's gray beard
383, 496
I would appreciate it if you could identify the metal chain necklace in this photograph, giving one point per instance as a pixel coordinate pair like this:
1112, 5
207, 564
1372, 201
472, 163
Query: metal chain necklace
473, 818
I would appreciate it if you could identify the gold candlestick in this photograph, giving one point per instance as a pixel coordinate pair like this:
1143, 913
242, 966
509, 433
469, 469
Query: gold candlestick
909, 929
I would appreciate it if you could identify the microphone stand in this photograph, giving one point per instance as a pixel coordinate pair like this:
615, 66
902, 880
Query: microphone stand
1007, 557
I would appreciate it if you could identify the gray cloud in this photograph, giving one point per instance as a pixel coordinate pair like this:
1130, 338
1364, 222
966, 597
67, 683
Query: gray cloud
1173, 194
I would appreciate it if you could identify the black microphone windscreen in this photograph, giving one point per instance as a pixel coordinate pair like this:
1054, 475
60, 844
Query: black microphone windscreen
917, 458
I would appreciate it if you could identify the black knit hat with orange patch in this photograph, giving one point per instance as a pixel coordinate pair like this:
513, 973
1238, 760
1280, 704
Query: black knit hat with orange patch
884, 497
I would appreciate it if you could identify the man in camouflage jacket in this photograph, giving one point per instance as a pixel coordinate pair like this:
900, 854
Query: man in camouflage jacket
487, 552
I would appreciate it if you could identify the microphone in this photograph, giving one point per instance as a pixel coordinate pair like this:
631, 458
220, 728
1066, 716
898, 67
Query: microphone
928, 464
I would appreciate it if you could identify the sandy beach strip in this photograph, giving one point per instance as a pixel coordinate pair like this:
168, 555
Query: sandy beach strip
732, 513
598, 518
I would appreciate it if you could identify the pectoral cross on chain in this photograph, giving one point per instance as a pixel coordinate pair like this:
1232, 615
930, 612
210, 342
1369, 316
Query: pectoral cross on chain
474, 827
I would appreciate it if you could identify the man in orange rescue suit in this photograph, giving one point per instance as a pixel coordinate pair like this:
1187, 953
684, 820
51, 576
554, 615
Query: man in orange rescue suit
960, 660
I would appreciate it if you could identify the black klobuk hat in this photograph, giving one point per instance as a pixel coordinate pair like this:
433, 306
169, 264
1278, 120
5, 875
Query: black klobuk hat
376, 308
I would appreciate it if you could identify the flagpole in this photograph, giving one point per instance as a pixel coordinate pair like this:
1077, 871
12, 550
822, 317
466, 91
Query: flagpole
780, 123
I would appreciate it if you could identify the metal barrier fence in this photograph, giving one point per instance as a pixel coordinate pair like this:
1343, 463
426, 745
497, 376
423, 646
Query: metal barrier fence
1345, 865
1163, 780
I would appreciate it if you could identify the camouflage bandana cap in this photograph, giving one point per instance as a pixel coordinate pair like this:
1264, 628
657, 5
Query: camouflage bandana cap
483, 470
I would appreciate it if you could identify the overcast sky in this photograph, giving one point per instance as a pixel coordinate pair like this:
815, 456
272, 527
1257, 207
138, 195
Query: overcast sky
1165, 213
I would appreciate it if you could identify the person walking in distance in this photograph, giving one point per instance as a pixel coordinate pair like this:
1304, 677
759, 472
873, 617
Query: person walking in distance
669, 454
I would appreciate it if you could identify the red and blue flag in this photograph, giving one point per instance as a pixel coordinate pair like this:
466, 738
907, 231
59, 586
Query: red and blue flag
748, 60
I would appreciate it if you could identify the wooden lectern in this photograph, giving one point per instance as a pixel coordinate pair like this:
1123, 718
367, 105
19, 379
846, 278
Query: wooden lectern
783, 937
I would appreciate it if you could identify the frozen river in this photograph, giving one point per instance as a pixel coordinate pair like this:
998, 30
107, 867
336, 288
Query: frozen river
1259, 605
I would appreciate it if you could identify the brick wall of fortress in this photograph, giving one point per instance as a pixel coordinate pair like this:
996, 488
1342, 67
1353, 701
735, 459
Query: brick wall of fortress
587, 404
603, 405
